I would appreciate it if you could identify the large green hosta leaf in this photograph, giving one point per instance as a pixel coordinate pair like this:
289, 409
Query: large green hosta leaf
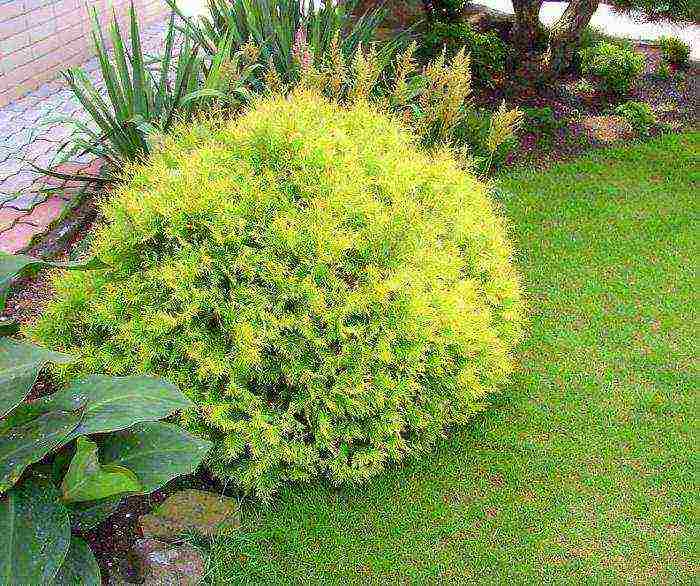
80, 566
88, 480
20, 364
34, 535
156, 452
29, 443
115, 403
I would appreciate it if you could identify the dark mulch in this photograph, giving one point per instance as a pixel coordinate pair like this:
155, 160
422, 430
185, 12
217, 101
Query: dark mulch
30, 294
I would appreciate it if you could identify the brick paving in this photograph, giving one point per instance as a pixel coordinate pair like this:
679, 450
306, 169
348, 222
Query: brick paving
31, 203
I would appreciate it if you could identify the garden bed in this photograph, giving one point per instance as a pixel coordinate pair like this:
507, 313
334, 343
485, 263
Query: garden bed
583, 119
566, 120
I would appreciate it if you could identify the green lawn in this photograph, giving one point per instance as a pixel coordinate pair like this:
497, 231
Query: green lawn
584, 470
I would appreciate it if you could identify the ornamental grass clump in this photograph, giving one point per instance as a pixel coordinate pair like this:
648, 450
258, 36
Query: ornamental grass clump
331, 296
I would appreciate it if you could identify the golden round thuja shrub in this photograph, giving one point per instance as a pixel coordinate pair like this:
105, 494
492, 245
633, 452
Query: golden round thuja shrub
332, 297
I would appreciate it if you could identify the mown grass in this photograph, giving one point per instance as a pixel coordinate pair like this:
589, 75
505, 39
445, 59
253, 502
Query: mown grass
584, 469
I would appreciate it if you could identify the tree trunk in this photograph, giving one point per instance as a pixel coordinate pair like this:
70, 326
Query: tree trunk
527, 24
565, 35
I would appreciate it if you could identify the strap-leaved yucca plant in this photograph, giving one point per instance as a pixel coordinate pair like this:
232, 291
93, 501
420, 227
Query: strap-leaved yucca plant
144, 97
275, 25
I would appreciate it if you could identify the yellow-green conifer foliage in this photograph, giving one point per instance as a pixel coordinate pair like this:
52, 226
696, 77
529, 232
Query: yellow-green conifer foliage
331, 296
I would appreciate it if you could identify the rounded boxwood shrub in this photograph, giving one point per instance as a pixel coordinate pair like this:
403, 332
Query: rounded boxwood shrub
675, 51
615, 68
332, 297
640, 115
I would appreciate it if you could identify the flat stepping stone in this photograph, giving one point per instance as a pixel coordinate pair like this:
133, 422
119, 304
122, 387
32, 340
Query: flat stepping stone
608, 129
164, 564
190, 510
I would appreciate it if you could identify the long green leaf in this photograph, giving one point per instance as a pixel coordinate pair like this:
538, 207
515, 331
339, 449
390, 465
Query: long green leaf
103, 116
122, 78
115, 91
115, 403
20, 364
141, 105
23, 445
160, 97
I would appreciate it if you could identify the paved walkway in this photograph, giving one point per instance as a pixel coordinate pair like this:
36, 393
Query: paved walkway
26, 209
614, 24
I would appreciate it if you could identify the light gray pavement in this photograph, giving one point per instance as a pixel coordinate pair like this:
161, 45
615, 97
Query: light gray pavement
26, 209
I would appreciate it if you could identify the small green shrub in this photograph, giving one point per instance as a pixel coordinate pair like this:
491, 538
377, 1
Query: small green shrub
615, 68
639, 115
584, 87
333, 297
487, 51
675, 51
542, 123
477, 130
592, 36
541, 120
663, 71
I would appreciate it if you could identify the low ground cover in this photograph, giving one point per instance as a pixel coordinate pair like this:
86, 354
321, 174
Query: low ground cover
583, 469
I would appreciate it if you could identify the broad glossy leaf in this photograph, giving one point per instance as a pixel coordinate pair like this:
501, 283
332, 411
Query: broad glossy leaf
25, 413
29, 443
80, 566
88, 515
35, 533
20, 364
115, 403
88, 480
156, 452
14, 265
